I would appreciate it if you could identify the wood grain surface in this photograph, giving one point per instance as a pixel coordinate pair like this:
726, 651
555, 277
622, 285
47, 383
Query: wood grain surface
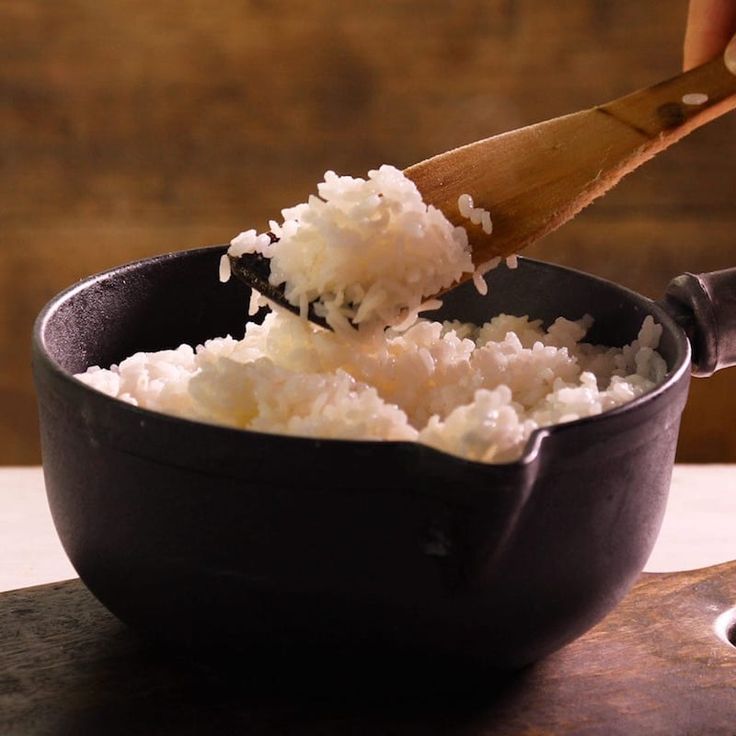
655, 666
129, 128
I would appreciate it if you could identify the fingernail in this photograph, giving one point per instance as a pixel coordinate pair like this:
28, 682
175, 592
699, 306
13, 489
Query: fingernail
729, 56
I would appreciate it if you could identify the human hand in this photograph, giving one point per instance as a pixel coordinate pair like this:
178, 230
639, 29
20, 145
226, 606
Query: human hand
711, 25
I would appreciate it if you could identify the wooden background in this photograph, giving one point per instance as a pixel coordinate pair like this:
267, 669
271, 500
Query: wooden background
135, 127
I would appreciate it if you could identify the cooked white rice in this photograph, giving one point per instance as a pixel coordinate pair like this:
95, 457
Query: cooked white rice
482, 217
477, 392
477, 215
370, 252
366, 252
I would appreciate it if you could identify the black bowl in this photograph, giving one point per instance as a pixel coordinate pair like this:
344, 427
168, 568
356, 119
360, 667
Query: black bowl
229, 540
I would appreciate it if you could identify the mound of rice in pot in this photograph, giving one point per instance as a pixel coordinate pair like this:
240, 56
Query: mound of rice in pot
457, 387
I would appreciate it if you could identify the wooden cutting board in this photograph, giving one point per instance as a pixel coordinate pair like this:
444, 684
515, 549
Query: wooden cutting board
656, 665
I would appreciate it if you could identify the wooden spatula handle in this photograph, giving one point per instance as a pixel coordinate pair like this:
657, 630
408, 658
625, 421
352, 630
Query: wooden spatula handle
677, 106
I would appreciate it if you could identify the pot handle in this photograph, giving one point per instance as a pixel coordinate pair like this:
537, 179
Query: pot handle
704, 305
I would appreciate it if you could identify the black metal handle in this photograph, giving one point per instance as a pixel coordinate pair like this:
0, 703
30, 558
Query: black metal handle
704, 305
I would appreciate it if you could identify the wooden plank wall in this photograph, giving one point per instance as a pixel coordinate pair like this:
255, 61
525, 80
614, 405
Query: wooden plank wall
130, 127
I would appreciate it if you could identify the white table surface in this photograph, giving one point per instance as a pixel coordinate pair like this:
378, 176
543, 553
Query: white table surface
699, 527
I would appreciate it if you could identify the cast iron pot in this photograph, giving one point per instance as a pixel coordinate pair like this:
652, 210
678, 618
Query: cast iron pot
221, 539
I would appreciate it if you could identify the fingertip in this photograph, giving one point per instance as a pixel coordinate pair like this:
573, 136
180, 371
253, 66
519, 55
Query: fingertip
729, 56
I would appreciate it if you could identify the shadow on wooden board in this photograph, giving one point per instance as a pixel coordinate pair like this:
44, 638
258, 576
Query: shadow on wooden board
659, 664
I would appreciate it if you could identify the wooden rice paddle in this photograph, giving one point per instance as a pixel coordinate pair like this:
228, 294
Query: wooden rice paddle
534, 179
